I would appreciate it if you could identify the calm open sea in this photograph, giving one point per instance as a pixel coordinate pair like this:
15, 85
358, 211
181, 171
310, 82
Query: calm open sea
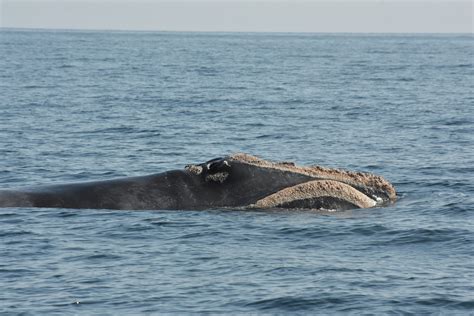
78, 106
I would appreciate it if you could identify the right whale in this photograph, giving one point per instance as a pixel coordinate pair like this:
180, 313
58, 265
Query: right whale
236, 181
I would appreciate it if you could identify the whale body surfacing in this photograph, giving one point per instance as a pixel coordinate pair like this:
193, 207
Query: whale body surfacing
235, 181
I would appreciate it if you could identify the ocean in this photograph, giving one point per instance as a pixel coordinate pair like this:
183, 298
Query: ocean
92, 105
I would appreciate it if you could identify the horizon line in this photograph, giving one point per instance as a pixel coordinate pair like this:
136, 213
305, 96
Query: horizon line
53, 29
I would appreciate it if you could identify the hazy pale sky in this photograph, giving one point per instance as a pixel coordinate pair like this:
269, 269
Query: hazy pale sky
373, 16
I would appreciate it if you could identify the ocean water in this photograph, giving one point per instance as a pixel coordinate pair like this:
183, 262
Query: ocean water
79, 106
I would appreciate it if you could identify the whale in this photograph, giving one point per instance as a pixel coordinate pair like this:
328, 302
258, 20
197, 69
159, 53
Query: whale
236, 181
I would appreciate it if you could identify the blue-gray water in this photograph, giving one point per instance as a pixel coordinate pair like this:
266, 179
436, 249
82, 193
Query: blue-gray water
77, 106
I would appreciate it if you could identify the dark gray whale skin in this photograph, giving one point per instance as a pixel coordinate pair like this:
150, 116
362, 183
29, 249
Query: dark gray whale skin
172, 190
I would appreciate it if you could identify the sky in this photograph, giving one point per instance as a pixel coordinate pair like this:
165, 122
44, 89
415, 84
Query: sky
347, 16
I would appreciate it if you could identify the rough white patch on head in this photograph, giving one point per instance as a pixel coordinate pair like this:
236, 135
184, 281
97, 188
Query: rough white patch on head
377, 198
197, 170
217, 177
313, 190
